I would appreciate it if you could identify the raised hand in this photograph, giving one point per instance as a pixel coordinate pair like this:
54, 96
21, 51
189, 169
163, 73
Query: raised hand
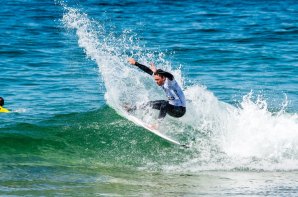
152, 67
132, 61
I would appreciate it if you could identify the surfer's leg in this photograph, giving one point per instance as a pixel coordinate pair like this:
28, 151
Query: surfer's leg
165, 108
176, 111
160, 105
151, 104
156, 104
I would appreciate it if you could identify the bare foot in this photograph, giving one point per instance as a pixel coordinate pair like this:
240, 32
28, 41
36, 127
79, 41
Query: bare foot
153, 126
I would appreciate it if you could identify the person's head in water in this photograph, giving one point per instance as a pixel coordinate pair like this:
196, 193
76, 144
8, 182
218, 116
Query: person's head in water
1, 101
159, 77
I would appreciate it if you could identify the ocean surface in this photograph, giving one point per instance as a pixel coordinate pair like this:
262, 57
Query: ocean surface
65, 76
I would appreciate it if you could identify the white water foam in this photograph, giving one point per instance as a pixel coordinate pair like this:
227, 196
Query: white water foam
20, 110
227, 137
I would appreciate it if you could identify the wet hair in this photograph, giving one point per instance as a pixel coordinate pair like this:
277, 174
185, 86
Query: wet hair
1, 101
160, 73
163, 73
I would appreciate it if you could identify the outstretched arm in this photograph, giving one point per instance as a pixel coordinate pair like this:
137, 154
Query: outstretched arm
141, 66
152, 70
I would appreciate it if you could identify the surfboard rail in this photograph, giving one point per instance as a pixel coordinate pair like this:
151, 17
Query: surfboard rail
139, 122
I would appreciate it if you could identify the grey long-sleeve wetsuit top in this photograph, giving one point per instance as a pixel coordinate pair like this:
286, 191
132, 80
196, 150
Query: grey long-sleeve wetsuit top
172, 89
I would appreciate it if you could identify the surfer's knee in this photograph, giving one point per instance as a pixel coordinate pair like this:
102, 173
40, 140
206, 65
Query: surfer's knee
158, 104
177, 111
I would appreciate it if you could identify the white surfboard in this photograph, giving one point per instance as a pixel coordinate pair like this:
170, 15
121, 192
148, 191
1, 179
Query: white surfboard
139, 122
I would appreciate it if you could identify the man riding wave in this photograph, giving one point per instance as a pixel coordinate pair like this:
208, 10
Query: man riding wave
175, 106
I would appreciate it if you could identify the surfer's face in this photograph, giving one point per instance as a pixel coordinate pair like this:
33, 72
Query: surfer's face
160, 80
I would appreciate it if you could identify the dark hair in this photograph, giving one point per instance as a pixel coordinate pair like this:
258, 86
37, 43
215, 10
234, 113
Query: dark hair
163, 73
1, 101
160, 73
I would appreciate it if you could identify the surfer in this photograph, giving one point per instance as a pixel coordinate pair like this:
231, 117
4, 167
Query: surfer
175, 105
2, 109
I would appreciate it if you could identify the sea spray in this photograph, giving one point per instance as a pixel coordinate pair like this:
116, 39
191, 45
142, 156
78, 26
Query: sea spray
224, 136
255, 132
124, 84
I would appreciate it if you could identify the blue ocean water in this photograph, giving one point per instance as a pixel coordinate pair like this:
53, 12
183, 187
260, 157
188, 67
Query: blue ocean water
65, 72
